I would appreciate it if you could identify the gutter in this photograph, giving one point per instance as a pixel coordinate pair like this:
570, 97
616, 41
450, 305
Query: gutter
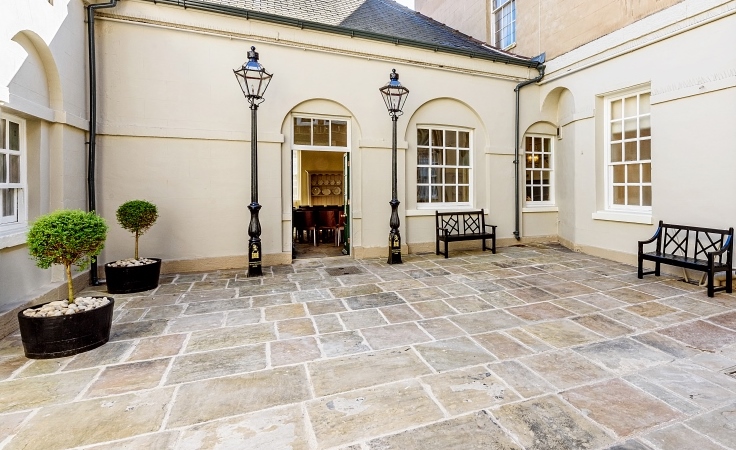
91, 188
316, 26
517, 203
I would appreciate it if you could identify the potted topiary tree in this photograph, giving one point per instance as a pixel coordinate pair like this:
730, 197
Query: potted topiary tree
134, 274
77, 324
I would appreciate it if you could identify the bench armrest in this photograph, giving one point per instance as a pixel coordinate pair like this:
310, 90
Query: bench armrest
649, 241
492, 226
724, 249
442, 231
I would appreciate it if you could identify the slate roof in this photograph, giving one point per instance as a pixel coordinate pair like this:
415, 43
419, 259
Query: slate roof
382, 17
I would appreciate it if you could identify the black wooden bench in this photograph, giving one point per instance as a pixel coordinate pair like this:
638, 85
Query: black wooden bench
463, 226
707, 250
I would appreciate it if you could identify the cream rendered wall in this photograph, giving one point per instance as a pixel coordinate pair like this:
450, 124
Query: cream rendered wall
43, 81
692, 136
159, 119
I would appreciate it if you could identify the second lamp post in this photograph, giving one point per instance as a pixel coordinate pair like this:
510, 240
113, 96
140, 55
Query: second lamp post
394, 95
254, 80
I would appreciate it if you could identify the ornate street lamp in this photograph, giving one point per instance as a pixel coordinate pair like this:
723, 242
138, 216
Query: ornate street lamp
254, 81
394, 95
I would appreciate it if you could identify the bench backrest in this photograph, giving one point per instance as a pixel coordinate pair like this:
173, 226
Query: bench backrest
461, 222
693, 242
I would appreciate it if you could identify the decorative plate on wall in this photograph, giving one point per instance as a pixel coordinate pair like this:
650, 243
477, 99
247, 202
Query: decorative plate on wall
315, 191
336, 191
326, 191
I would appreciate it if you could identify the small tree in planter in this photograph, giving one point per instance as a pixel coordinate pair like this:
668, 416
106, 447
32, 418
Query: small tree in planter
137, 216
136, 274
67, 327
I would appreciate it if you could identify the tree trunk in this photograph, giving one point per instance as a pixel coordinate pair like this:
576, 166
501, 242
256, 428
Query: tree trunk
136, 245
69, 284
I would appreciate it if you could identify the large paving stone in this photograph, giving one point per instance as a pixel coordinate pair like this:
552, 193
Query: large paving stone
137, 330
423, 294
690, 386
345, 343
602, 325
523, 380
562, 333
569, 289
325, 307
161, 440
528, 340
230, 337
701, 335
691, 305
10, 423
351, 291
110, 353
485, 321
123, 378
565, 369
467, 390
367, 413
631, 320
282, 312
151, 348
399, 314
369, 369
94, 421
718, 425
373, 300
294, 328
665, 344
198, 322
207, 400
205, 307
355, 320
470, 432
547, 423
441, 328
294, 351
328, 323
217, 363
540, 311
453, 353
680, 437
675, 401
433, 308
620, 407
278, 428
623, 355
45, 390
395, 335
532, 294
502, 346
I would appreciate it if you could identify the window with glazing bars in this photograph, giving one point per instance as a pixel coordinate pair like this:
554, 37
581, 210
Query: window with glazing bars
504, 23
443, 165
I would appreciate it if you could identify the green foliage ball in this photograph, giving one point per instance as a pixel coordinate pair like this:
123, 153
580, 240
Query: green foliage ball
68, 237
137, 216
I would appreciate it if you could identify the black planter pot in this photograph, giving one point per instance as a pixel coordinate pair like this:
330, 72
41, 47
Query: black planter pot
54, 337
124, 280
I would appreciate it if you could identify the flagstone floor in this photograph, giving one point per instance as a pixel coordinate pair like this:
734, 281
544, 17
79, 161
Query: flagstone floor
536, 347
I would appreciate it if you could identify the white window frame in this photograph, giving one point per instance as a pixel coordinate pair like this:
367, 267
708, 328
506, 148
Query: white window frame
497, 38
332, 148
608, 141
529, 154
445, 205
20, 221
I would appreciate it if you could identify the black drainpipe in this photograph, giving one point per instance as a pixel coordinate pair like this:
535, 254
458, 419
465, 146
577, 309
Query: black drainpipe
517, 204
91, 200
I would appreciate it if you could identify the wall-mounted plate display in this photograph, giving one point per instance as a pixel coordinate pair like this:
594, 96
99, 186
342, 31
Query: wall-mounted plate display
315, 191
336, 191
326, 191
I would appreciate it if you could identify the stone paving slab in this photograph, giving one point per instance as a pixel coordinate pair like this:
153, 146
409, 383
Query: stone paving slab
535, 347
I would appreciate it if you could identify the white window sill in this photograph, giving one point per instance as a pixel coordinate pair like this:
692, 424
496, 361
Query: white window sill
13, 237
535, 209
620, 216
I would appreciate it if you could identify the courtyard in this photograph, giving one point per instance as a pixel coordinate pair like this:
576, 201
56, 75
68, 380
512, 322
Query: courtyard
535, 347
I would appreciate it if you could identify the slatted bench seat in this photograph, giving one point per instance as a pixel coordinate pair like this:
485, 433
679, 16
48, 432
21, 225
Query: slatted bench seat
707, 250
463, 226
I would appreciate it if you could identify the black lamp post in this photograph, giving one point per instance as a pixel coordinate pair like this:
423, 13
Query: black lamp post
394, 95
254, 80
